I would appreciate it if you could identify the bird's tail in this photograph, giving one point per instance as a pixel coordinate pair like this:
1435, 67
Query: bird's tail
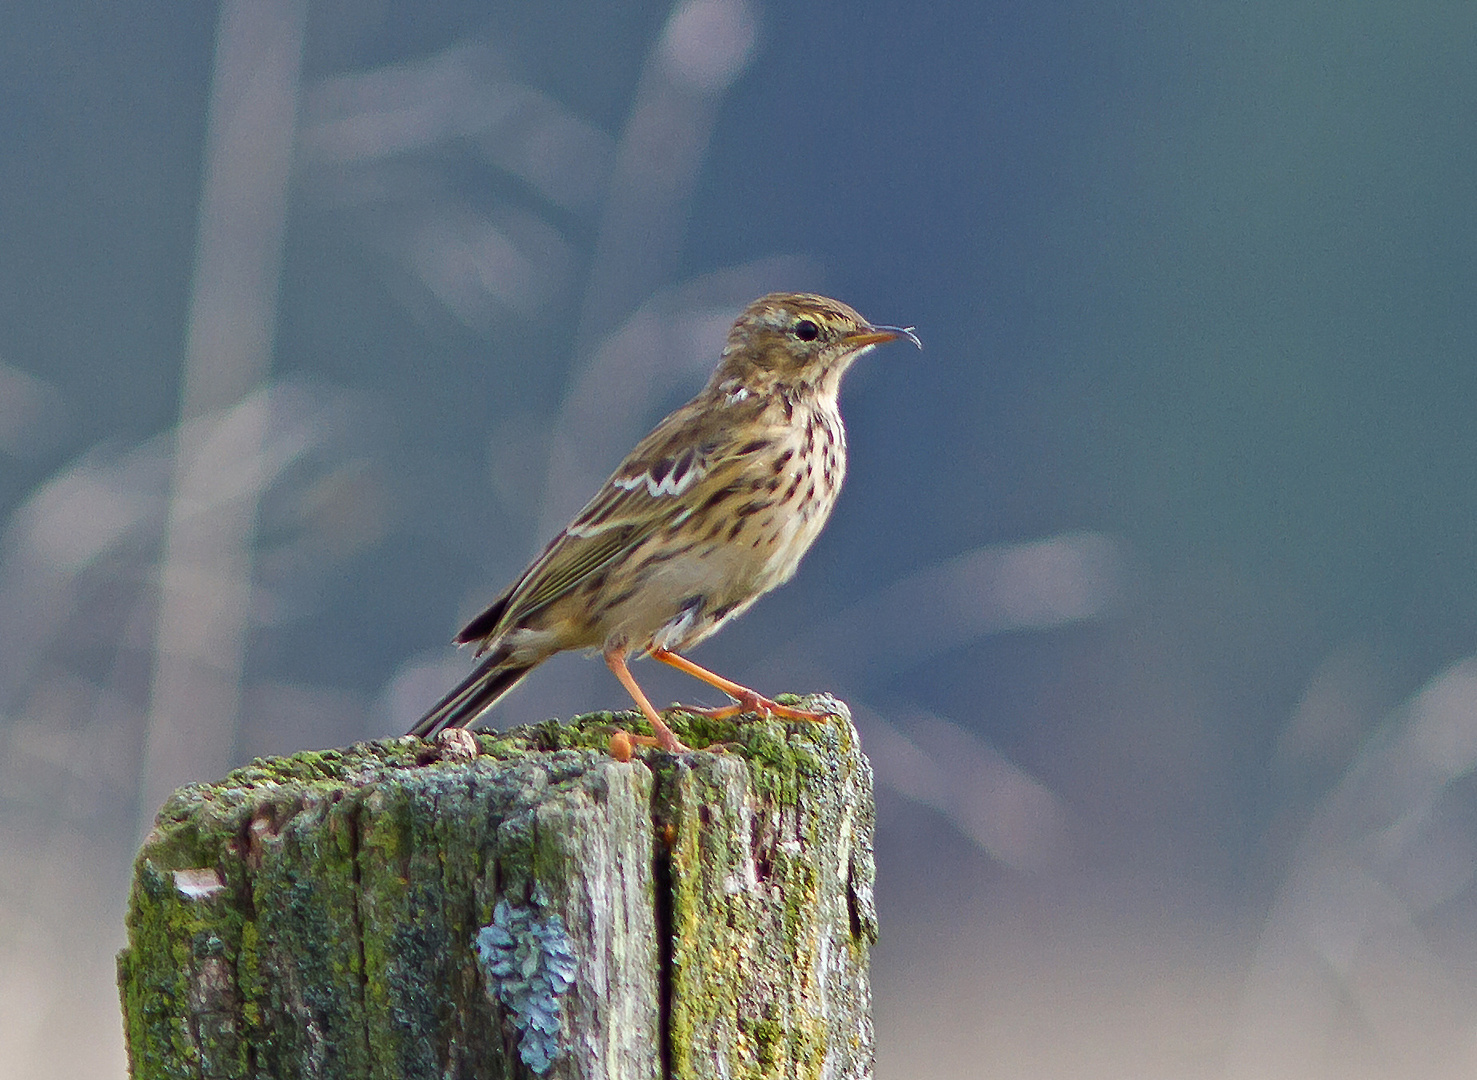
479, 691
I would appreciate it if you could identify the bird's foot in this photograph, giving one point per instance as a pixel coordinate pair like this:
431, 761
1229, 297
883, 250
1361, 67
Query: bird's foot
751, 701
623, 743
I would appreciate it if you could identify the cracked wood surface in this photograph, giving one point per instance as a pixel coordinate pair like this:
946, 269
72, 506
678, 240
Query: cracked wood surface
316, 916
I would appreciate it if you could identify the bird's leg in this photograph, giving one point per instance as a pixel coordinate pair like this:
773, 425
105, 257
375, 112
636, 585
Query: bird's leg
745, 700
615, 659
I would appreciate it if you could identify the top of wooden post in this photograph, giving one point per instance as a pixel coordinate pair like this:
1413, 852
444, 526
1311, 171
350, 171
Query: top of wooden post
403, 908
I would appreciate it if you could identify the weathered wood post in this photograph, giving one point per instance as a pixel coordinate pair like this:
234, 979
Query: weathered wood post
538, 909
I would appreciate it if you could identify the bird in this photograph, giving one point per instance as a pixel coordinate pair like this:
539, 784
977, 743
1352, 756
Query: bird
710, 511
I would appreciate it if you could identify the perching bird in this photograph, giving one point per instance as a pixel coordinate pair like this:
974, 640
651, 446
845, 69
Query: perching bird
708, 513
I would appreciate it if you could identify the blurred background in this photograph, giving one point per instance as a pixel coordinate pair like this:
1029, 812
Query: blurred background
1153, 587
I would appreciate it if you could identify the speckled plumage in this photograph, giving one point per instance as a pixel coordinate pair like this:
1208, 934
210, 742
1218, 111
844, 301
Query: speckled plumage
709, 512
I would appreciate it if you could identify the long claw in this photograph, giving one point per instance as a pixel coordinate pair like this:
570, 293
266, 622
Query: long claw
746, 700
763, 706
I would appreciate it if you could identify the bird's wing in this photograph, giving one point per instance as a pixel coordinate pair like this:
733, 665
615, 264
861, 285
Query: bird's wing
663, 481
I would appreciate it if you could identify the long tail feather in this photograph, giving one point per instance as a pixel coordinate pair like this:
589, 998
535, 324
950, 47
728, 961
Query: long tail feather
474, 695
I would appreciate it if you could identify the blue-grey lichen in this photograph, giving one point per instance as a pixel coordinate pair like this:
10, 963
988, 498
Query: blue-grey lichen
528, 964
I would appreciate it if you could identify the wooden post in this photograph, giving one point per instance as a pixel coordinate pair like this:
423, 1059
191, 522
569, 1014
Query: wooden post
525, 906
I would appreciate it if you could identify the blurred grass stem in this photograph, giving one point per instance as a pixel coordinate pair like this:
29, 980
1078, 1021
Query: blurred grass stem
205, 572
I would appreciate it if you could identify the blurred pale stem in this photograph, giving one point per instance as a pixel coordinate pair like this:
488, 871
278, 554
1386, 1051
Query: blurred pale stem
1358, 929
205, 575
704, 47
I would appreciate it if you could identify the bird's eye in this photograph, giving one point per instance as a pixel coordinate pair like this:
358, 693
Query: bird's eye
806, 330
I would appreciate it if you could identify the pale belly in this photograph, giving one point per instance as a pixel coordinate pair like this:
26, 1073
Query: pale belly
689, 597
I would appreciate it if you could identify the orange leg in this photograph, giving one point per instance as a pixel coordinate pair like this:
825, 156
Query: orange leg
615, 659
746, 700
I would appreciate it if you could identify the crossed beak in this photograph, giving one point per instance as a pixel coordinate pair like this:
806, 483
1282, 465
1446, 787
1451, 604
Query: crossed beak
876, 335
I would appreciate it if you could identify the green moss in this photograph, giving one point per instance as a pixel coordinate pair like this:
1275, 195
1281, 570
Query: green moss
175, 979
249, 976
768, 1038
758, 833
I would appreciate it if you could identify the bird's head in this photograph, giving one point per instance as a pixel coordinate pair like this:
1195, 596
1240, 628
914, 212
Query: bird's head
799, 342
